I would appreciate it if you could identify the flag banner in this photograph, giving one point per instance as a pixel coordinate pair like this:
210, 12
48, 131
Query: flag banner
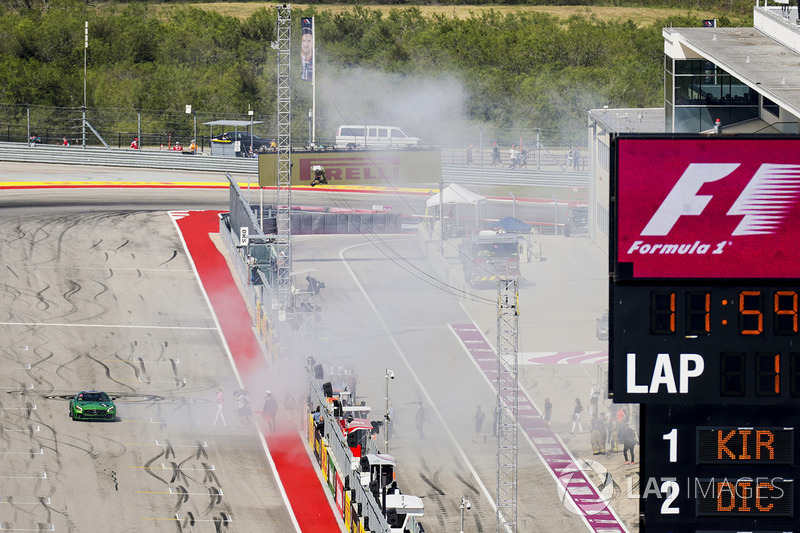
307, 48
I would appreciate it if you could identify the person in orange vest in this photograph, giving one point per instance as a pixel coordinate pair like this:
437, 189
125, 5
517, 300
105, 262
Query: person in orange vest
135, 143
193, 146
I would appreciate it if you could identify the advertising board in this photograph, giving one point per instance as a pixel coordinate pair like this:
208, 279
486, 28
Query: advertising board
373, 168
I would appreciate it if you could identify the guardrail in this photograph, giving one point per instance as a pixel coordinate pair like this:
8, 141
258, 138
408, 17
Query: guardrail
552, 177
169, 160
115, 157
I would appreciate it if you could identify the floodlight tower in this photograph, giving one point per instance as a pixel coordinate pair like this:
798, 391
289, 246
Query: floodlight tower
283, 206
507, 403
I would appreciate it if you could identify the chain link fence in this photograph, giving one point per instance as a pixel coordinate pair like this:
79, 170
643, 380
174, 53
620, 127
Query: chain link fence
158, 129
114, 127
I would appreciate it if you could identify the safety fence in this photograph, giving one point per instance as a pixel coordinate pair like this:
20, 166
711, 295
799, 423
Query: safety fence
114, 127
162, 129
358, 508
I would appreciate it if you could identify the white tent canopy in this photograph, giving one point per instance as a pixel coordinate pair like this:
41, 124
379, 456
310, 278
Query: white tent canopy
455, 194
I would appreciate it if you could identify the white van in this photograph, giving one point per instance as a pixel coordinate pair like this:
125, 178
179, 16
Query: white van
352, 137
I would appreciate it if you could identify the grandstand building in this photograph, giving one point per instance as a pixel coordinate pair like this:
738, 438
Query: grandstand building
726, 80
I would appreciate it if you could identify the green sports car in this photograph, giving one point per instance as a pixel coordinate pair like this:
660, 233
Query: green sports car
92, 405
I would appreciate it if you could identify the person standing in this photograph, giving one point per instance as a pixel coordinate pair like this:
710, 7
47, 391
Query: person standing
469, 155
270, 410
598, 436
479, 417
350, 376
548, 412
576, 158
243, 408
420, 420
628, 443
220, 408
390, 421
593, 407
496, 156
576, 416
595, 391
622, 424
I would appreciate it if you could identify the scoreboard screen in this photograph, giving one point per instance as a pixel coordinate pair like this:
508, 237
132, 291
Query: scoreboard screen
705, 270
704, 326
704, 342
739, 445
697, 469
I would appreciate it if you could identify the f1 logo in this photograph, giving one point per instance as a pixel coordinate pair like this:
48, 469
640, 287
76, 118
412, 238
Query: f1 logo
763, 204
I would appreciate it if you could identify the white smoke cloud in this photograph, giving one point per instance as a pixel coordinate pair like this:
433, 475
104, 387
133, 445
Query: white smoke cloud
428, 107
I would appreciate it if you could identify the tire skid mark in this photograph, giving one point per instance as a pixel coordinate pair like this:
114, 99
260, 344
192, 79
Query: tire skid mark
174, 255
75, 287
107, 372
143, 370
58, 442
96, 297
215, 498
121, 448
32, 241
149, 469
43, 304
437, 474
210, 482
65, 366
16, 234
162, 354
13, 292
40, 442
467, 484
75, 222
45, 386
42, 359
431, 484
12, 271
132, 366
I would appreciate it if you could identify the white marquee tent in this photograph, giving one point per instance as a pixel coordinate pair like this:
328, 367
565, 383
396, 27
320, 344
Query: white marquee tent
452, 196
455, 194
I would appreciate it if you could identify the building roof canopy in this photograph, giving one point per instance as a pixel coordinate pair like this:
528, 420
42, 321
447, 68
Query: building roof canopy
756, 59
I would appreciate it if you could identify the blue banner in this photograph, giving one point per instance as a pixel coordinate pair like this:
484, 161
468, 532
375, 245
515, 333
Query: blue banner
307, 49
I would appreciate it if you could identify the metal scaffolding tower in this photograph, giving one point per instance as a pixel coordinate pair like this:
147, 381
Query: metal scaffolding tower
283, 245
507, 403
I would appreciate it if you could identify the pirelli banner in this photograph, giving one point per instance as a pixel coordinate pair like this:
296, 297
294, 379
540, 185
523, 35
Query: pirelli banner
375, 168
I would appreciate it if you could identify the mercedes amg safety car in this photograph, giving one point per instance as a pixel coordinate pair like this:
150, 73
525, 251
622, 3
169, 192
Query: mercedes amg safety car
92, 405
